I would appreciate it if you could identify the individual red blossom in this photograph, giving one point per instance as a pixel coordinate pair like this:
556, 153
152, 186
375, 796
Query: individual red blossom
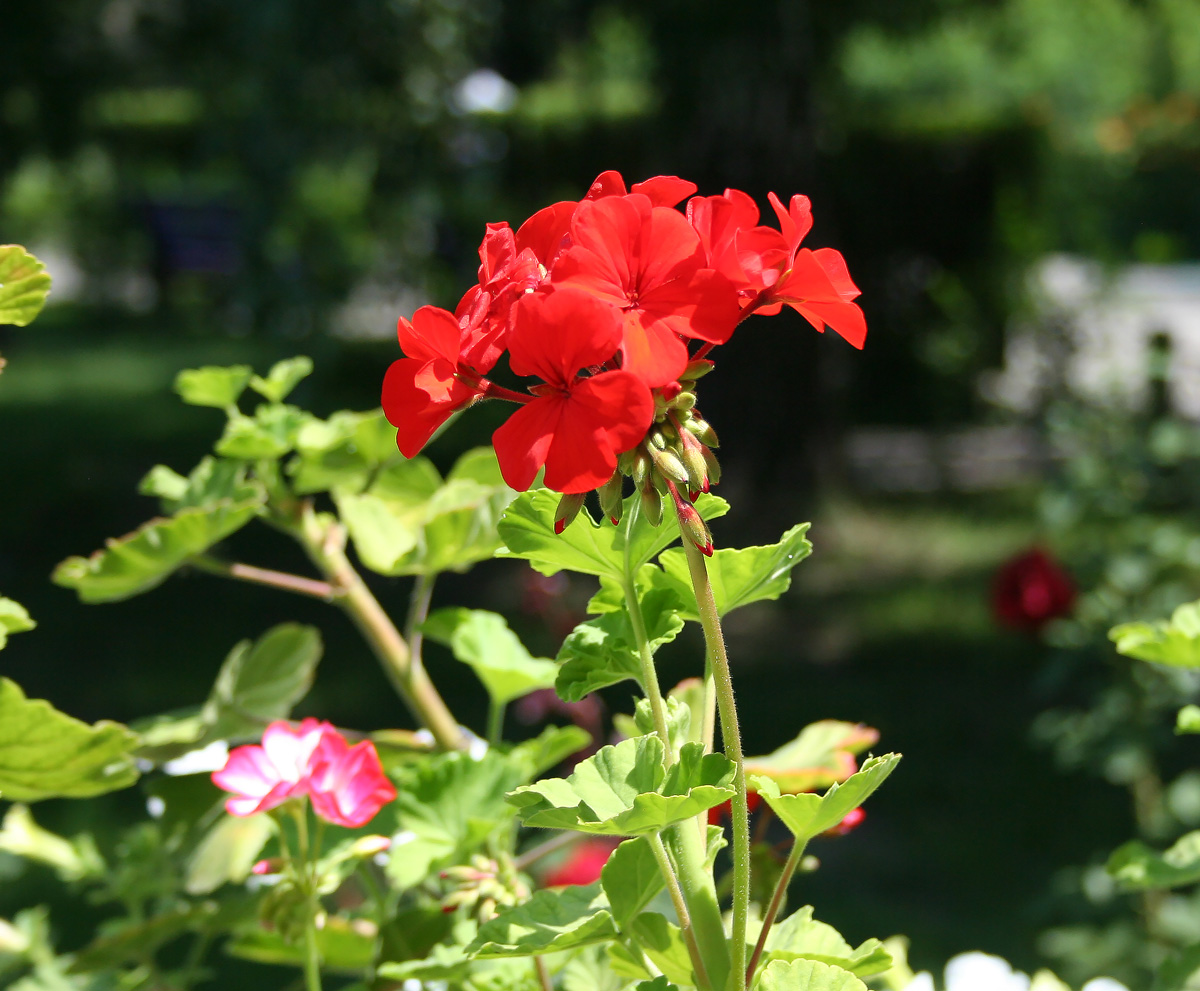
583, 865
506, 271
850, 822
575, 426
347, 785
440, 374
262, 777
1031, 589
647, 262
662, 190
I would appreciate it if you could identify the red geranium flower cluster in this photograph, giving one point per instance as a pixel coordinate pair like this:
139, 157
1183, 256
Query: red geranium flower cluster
345, 783
600, 300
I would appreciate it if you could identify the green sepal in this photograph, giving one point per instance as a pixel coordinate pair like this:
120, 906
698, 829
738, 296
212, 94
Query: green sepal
13, 619
806, 975
1175, 642
483, 641
45, 753
801, 937
624, 791
820, 755
213, 385
283, 377
742, 575
808, 815
144, 559
553, 919
24, 285
590, 548
1137, 867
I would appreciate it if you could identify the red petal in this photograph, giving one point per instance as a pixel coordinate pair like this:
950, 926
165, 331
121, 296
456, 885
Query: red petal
796, 221
545, 233
523, 441
846, 318
835, 267
556, 334
411, 409
653, 352
432, 333
604, 416
607, 183
665, 190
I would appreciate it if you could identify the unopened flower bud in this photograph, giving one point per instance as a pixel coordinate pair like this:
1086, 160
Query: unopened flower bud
692, 526
694, 462
696, 369
641, 466
651, 505
568, 508
671, 467
685, 400
657, 439
610, 497
368, 846
703, 431
713, 466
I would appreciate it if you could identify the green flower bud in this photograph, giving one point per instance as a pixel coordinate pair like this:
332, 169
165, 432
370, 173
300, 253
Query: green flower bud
652, 507
568, 508
610, 497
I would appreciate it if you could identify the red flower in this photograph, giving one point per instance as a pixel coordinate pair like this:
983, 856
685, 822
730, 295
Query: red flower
347, 784
648, 263
850, 822
583, 865
440, 374
576, 425
1031, 589
262, 777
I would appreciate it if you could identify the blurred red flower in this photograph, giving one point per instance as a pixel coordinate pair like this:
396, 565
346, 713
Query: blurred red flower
583, 865
1031, 589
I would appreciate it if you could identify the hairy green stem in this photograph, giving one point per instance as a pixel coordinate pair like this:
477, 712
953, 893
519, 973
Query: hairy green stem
777, 896
418, 612
495, 723
732, 741
681, 910
312, 952
324, 540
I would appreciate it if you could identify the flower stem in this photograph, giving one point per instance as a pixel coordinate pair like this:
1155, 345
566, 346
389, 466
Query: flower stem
789, 869
681, 910
732, 740
495, 723
265, 576
325, 540
543, 974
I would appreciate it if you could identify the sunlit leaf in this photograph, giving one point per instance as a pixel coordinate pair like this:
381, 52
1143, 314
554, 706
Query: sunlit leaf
270, 433
45, 753
631, 879
342, 452
590, 548
13, 619
624, 791
740, 576
1137, 867
800, 936
24, 285
212, 481
212, 385
262, 681
483, 641
226, 853
1176, 642
549, 748
145, 558
806, 975
283, 377
807, 815
552, 920
662, 941
71, 860
821, 755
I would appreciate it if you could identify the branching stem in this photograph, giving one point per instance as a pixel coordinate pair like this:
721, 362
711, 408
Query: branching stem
681, 910
265, 576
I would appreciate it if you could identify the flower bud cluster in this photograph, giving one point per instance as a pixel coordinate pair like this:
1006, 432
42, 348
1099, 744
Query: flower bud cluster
483, 887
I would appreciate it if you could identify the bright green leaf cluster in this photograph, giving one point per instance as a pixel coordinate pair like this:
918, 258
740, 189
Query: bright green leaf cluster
13, 619
24, 285
1175, 642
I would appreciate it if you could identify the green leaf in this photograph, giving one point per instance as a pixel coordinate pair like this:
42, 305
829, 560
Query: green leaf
71, 860
136, 940
270, 433
212, 481
659, 983
283, 377
821, 755
1176, 643
549, 748
662, 942
13, 619
527, 529
588, 970
1180, 972
623, 790
808, 815
342, 452
226, 853
343, 948
45, 753
261, 681
1136, 867
1188, 720
800, 936
631, 880
483, 641
24, 285
447, 806
139, 561
604, 651
552, 920
213, 386
806, 975
740, 576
